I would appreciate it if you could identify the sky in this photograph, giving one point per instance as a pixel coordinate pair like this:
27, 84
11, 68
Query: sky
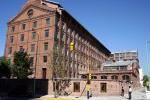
121, 25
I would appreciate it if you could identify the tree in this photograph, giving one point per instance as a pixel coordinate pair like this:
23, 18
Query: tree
21, 67
5, 70
58, 66
145, 80
60, 74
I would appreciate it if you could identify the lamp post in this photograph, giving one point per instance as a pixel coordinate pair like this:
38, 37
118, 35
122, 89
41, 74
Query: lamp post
147, 57
35, 65
89, 77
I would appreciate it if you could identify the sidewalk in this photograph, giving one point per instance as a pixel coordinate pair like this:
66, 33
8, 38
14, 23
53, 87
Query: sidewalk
136, 95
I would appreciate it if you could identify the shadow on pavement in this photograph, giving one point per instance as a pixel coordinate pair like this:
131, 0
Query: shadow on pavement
17, 98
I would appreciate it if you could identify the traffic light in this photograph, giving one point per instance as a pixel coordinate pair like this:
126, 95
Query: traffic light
71, 46
90, 76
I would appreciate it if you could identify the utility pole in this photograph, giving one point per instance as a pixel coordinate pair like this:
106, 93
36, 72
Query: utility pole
34, 83
147, 57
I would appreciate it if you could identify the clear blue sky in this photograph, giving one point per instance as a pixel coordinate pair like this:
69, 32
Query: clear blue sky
119, 24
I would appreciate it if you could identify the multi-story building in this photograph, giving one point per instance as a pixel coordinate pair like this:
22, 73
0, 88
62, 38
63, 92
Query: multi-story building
127, 55
43, 26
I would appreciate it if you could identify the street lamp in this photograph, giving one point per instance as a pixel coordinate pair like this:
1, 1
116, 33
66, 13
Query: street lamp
147, 57
35, 63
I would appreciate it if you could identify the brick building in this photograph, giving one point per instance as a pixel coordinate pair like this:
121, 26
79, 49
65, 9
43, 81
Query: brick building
42, 27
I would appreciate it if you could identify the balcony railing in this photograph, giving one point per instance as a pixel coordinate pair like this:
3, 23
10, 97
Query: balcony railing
98, 70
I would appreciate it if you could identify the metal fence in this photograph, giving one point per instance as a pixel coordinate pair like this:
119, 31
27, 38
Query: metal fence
23, 87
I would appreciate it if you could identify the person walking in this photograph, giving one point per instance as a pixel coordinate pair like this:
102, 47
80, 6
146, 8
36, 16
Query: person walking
130, 92
122, 91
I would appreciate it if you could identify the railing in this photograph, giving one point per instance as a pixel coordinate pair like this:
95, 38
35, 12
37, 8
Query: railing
23, 87
98, 70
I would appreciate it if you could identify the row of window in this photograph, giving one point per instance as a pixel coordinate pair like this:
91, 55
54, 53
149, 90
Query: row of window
34, 25
83, 47
114, 77
32, 48
80, 56
45, 60
34, 34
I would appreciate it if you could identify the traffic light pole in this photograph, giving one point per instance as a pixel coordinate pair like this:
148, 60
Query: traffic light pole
88, 87
89, 76
71, 46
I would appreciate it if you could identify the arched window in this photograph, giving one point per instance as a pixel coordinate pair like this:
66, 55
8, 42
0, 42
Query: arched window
103, 77
114, 77
126, 77
94, 77
84, 76
30, 13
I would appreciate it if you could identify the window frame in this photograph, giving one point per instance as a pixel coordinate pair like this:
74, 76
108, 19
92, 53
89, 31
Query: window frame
32, 48
23, 26
46, 33
45, 59
104, 77
21, 37
47, 21
76, 87
45, 46
9, 50
33, 35
11, 39
13, 28
34, 24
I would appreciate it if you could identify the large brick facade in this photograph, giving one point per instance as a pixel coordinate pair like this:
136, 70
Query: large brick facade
40, 27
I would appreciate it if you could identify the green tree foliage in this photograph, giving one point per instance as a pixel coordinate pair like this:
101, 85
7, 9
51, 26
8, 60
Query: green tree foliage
21, 67
145, 80
5, 70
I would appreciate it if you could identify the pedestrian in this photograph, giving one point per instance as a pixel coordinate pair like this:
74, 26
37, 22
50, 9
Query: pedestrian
130, 92
122, 91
